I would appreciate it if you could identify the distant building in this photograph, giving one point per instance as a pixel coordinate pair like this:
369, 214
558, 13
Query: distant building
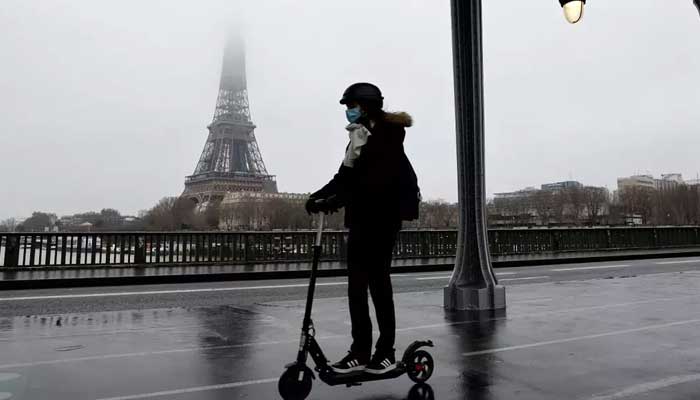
553, 204
638, 181
84, 227
669, 181
561, 185
515, 195
237, 197
67, 221
249, 210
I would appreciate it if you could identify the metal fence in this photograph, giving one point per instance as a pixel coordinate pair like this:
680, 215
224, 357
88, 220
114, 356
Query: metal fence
202, 248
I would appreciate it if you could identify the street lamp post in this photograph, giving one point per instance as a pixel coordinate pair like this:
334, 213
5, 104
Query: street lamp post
473, 285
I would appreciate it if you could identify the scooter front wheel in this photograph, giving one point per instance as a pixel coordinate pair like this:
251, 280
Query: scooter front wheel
295, 383
420, 366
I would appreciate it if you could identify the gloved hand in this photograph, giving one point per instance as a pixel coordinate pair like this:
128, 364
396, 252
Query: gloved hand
313, 205
328, 206
331, 204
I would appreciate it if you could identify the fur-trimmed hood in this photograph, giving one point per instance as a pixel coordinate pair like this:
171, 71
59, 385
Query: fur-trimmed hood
398, 118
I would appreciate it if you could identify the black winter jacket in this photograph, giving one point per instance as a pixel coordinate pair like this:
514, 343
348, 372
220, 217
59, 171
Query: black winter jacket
371, 190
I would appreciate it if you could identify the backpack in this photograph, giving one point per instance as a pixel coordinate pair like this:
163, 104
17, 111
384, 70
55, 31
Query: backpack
409, 192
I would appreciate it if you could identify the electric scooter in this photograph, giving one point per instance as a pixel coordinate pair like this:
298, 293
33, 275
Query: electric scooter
296, 381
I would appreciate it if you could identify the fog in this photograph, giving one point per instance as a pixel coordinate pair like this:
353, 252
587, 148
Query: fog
105, 104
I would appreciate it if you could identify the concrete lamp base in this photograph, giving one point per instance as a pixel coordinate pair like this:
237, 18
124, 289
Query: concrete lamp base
475, 298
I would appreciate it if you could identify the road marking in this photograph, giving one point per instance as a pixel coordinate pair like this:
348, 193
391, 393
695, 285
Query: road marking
678, 262
427, 278
649, 387
533, 300
204, 290
577, 338
193, 389
270, 343
586, 268
8, 377
530, 278
143, 354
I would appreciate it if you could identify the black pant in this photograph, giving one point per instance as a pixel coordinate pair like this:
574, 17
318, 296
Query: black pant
369, 263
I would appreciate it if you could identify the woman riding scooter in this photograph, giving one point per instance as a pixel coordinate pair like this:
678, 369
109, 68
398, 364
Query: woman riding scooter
378, 188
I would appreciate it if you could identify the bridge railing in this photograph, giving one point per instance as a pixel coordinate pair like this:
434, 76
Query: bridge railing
202, 248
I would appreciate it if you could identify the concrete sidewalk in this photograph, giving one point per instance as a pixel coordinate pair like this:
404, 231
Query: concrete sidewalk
633, 338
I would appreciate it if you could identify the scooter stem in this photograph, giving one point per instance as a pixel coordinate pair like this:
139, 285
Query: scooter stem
303, 346
319, 229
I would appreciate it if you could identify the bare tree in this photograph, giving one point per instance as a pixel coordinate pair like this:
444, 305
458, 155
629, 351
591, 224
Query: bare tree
559, 206
438, 214
39, 222
183, 213
575, 198
637, 200
161, 216
227, 217
8, 225
542, 201
595, 201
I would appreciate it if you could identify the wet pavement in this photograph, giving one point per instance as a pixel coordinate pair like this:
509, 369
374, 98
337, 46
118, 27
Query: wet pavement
599, 339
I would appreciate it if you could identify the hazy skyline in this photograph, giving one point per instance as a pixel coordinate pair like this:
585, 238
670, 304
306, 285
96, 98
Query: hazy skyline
106, 104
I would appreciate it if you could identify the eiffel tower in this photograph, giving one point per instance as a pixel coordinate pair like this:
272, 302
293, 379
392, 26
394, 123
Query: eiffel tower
231, 160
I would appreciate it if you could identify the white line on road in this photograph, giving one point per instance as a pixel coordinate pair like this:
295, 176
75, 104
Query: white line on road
529, 278
81, 296
428, 278
193, 389
649, 387
577, 338
678, 262
538, 300
585, 268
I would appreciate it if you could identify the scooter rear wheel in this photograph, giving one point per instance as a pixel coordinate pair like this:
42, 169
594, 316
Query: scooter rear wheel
420, 367
295, 383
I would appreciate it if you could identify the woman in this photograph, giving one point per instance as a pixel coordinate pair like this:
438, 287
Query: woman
378, 188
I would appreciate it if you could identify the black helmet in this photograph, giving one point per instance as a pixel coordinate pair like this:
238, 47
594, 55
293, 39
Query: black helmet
363, 92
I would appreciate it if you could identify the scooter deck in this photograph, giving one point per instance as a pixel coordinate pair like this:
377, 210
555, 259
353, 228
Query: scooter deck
352, 378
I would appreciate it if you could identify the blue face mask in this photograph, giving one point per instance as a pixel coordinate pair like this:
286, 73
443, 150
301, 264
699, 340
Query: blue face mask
353, 114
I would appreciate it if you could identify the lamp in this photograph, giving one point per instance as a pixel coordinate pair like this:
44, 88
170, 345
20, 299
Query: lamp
573, 9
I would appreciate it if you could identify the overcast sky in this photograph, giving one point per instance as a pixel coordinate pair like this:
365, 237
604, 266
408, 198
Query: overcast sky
105, 103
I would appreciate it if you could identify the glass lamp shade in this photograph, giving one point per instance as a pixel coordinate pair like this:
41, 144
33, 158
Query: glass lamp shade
573, 10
